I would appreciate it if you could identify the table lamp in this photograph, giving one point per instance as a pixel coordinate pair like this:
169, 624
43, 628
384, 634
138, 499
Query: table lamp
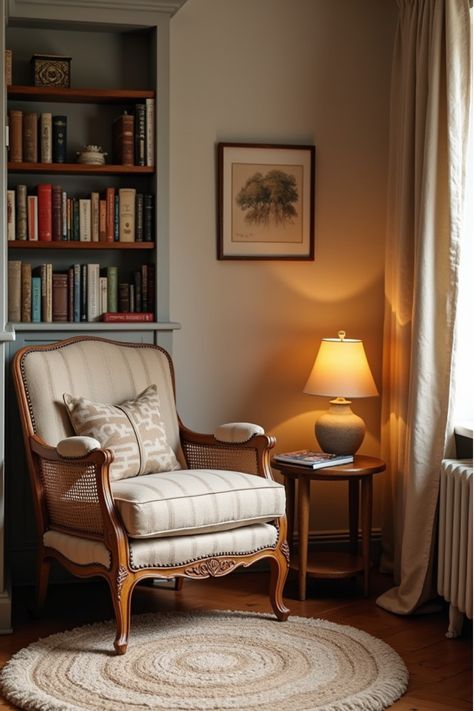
340, 369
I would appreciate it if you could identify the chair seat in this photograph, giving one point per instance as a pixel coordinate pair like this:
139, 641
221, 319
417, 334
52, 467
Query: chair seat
190, 501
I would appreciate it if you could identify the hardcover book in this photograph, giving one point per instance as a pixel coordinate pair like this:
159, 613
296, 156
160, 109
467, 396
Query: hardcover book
109, 213
123, 139
45, 217
314, 460
60, 297
56, 213
140, 134
32, 217
127, 317
30, 137
46, 137
11, 215
127, 214
21, 212
15, 123
59, 139
150, 131
36, 299
14, 290
25, 292
85, 225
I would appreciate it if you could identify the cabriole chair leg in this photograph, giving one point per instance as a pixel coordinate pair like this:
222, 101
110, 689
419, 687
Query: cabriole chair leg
121, 590
279, 572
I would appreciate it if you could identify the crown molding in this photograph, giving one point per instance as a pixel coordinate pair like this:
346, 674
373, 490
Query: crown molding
22, 8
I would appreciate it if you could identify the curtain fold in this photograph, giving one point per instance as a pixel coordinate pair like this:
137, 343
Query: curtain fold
428, 146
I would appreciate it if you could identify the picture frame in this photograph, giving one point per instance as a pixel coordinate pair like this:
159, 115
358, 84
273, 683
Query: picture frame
265, 201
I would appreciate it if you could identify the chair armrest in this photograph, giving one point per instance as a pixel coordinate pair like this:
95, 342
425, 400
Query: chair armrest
77, 447
75, 490
237, 432
206, 451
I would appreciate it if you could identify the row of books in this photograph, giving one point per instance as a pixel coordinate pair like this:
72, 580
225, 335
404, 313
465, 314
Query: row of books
118, 215
133, 136
36, 138
85, 292
42, 137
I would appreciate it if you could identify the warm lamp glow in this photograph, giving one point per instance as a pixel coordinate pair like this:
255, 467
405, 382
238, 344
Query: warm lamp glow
340, 369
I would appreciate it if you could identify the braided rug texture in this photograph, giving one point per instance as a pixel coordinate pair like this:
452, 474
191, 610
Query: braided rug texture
208, 660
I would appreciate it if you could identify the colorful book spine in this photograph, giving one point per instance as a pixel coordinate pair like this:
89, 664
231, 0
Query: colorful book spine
127, 214
36, 299
11, 215
112, 289
75, 220
102, 295
85, 233
56, 213
45, 217
30, 137
59, 297
14, 291
110, 212
139, 217
150, 131
21, 212
102, 221
32, 218
46, 273
77, 293
46, 137
64, 215
15, 124
83, 292
93, 292
123, 139
148, 218
25, 292
127, 317
59, 144
140, 134
70, 294
116, 217
95, 216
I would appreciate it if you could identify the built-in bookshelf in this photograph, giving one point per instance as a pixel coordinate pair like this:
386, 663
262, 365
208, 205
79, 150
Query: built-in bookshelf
119, 59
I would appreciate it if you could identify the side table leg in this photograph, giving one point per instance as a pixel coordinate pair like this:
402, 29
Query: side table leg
303, 526
353, 514
366, 515
290, 508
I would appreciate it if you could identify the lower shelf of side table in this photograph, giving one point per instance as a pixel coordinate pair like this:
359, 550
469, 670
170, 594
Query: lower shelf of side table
330, 564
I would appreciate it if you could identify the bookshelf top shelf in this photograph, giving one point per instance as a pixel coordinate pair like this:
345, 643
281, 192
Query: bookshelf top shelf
36, 244
80, 169
78, 96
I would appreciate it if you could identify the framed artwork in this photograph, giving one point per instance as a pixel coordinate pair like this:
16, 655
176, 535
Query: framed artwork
265, 201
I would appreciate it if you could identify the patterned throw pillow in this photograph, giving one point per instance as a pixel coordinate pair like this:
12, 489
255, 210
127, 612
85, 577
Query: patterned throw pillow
133, 430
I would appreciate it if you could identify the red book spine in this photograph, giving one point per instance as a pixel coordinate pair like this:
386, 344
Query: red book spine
57, 222
124, 316
45, 212
109, 214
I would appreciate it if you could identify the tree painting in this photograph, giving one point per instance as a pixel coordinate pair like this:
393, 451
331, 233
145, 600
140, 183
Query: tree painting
268, 199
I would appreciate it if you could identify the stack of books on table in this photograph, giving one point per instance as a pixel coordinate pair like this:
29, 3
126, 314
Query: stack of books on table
314, 460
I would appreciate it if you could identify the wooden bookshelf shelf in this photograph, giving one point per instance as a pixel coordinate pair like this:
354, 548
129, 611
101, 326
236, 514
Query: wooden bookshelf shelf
80, 169
74, 245
78, 96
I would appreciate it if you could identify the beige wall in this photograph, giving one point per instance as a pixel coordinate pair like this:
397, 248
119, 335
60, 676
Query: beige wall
279, 71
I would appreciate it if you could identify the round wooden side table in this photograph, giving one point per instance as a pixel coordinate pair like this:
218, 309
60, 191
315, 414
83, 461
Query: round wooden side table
359, 475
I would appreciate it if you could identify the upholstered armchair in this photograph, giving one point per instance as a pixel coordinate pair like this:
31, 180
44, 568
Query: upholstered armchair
123, 490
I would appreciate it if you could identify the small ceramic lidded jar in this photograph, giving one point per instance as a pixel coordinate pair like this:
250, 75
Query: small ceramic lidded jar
91, 155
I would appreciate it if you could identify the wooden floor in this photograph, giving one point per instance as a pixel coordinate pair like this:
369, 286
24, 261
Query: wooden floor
440, 668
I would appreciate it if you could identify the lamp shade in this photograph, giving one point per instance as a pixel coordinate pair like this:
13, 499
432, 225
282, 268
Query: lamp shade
341, 369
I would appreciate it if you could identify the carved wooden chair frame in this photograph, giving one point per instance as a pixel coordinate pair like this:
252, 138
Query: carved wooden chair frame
96, 518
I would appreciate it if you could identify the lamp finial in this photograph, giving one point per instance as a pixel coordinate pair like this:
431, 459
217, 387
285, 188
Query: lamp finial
341, 335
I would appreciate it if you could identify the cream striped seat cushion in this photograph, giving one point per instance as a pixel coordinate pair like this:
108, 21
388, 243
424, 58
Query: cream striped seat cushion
190, 501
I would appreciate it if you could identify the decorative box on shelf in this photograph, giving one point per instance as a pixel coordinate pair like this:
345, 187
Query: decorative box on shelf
51, 70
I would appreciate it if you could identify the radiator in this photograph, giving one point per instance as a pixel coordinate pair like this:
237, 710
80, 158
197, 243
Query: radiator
455, 541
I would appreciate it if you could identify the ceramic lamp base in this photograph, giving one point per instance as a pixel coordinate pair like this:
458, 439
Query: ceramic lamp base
339, 430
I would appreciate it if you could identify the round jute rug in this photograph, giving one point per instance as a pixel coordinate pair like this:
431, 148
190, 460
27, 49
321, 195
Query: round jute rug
208, 660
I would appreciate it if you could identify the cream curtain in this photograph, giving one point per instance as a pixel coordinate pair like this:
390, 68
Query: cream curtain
428, 145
